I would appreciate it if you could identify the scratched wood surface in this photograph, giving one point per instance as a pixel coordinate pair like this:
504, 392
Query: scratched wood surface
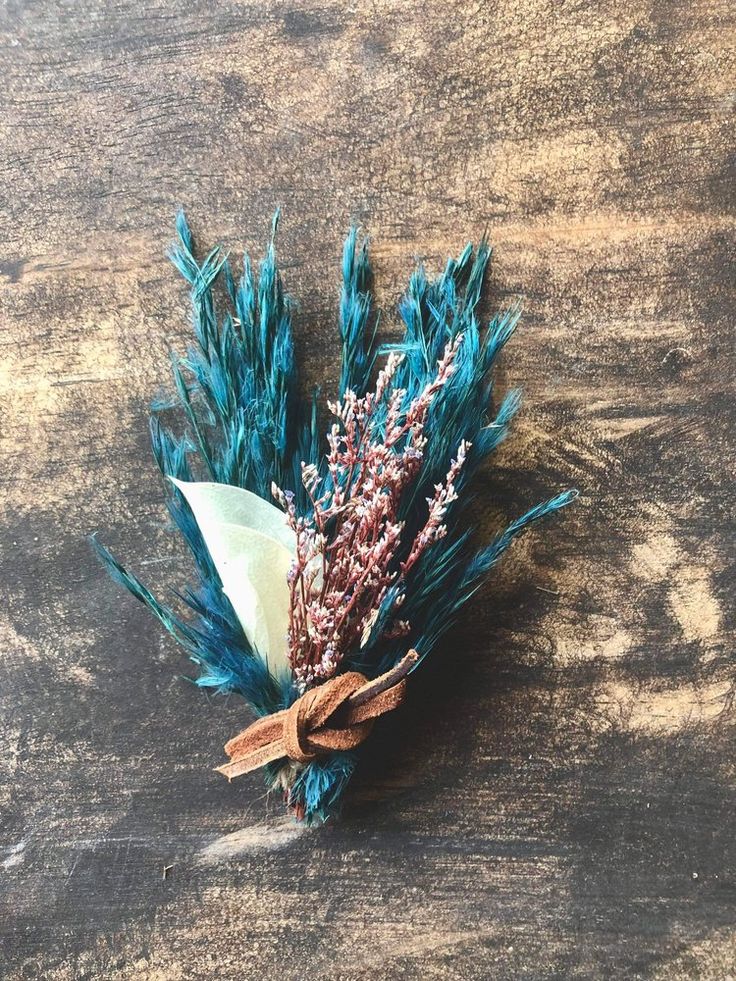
561, 802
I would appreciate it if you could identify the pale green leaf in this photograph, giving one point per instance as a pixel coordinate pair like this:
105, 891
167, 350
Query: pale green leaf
252, 548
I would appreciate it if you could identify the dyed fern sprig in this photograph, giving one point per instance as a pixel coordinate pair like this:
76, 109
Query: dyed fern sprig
408, 450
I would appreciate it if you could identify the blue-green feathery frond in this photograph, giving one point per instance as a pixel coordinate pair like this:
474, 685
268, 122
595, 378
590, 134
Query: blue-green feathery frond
449, 579
434, 314
318, 788
178, 628
358, 350
225, 660
240, 401
236, 387
487, 557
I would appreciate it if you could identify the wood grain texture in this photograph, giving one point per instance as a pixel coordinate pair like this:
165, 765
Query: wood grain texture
562, 804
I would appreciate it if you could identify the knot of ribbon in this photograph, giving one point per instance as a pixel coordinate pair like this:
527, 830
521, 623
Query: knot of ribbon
338, 714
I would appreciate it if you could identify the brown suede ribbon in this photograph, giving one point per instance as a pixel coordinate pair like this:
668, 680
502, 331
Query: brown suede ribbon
338, 714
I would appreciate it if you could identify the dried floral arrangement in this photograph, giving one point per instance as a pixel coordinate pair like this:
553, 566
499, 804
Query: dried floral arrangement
327, 567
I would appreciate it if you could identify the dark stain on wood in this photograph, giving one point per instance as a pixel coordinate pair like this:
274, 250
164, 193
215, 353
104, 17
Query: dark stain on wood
562, 801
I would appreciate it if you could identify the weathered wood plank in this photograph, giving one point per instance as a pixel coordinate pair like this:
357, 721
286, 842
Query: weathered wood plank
562, 803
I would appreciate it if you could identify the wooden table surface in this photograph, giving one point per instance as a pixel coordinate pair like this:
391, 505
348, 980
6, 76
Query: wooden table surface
562, 800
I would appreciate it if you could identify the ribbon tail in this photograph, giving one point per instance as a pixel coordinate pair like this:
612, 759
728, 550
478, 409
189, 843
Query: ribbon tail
253, 760
260, 733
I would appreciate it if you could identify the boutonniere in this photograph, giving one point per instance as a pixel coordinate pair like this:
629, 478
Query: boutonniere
330, 544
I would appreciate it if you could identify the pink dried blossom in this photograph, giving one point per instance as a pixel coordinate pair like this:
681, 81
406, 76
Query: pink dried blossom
346, 548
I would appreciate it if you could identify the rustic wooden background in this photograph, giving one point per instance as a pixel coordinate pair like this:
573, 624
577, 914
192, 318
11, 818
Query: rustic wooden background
562, 803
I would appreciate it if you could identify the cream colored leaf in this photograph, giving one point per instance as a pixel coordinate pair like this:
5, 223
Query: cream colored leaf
252, 548
225, 504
